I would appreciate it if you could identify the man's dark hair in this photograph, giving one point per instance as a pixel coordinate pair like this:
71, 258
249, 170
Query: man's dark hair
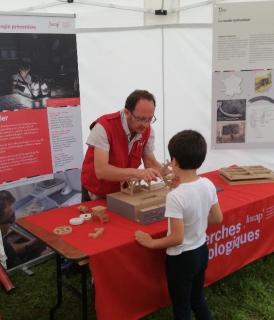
137, 95
188, 147
6, 198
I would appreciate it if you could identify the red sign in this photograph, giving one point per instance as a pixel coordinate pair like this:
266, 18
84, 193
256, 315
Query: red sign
24, 144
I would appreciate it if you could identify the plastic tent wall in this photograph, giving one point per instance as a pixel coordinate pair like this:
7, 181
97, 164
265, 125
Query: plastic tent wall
117, 54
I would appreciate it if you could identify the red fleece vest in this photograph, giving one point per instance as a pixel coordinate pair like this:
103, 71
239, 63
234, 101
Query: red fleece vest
118, 154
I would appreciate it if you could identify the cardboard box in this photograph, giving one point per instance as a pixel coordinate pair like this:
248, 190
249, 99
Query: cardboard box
144, 206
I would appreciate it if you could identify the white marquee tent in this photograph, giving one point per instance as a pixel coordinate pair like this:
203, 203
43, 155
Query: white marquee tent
123, 45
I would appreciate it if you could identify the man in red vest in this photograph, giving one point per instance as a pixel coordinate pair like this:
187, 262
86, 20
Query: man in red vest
117, 144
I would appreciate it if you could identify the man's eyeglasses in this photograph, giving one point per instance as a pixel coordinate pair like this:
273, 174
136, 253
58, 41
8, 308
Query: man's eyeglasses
143, 119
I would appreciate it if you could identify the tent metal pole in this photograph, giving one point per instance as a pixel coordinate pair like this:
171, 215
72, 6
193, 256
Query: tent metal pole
158, 26
163, 92
114, 6
38, 7
194, 5
35, 14
108, 5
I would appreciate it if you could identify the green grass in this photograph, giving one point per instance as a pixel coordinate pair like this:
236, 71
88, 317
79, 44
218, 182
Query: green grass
248, 294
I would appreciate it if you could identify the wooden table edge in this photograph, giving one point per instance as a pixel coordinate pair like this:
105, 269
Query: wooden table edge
55, 242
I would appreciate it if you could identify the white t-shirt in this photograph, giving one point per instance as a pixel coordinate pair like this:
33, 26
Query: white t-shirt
98, 137
191, 202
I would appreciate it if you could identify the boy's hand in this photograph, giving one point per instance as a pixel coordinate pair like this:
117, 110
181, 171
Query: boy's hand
144, 239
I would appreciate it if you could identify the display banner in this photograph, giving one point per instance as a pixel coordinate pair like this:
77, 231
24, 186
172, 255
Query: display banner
245, 235
243, 64
40, 124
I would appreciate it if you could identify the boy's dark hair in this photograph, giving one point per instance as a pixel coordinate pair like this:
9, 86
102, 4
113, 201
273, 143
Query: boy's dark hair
188, 147
6, 198
137, 95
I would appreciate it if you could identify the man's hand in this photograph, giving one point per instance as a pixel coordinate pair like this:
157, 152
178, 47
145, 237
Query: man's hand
144, 239
148, 174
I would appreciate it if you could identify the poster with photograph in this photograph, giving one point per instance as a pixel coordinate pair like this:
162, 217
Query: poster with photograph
21, 247
40, 125
243, 70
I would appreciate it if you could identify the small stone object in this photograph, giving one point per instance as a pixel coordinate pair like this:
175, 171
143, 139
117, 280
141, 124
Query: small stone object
76, 221
85, 216
83, 209
96, 233
99, 212
61, 230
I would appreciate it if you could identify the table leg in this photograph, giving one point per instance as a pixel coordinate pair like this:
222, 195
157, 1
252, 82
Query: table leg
58, 286
84, 292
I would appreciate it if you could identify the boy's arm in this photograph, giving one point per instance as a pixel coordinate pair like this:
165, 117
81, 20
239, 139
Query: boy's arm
175, 237
215, 214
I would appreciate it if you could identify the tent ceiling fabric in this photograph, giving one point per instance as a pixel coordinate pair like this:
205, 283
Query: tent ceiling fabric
97, 14
172, 62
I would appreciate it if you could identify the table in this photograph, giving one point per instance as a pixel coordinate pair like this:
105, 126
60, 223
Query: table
62, 249
119, 233
129, 279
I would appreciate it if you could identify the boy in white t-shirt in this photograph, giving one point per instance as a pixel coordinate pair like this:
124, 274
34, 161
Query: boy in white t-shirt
189, 208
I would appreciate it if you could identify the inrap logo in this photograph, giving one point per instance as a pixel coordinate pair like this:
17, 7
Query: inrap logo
54, 24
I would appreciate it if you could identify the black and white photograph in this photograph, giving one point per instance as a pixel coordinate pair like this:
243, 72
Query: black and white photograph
229, 110
36, 67
20, 246
230, 132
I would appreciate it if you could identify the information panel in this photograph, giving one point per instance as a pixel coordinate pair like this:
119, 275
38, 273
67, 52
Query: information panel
40, 125
243, 64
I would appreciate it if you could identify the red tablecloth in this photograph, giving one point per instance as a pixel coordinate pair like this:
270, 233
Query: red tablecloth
130, 280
